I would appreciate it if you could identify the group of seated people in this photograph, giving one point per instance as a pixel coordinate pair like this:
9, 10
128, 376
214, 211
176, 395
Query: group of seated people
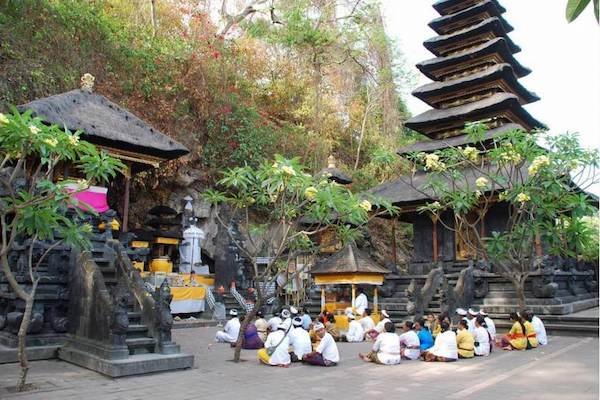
292, 336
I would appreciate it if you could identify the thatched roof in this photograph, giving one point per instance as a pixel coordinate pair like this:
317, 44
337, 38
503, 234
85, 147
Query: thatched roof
431, 92
442, 25
410, 189
491, 26
105, 123
349, 260
433, 145
442, 6
497, 46
335, 174
489, 107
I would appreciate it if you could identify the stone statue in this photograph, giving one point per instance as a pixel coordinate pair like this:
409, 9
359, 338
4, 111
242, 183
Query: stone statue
480, 282
543, 285
119, 317
164, 319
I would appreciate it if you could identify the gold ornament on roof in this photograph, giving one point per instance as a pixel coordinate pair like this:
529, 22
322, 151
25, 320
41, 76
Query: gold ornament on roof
87, 82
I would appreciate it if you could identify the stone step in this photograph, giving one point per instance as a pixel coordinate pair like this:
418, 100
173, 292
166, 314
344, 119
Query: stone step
134, 317
140, 345
137, 331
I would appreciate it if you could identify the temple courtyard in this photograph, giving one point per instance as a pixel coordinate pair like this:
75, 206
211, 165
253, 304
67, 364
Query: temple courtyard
567, 368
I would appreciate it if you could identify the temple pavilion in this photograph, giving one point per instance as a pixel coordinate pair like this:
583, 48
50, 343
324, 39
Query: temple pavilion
475, 77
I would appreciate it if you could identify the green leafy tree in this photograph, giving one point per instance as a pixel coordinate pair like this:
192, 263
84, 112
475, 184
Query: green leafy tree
292, 207
34, 206
542, 188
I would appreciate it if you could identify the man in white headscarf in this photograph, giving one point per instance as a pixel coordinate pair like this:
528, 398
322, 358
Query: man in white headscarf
299, 340
355, 330
230, 332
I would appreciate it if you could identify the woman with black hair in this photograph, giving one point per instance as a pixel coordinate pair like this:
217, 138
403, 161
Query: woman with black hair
444, 348
483, 339
516, 338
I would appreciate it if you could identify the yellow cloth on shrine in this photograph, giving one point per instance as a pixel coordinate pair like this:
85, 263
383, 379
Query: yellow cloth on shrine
465, 343
200, 279
188, 293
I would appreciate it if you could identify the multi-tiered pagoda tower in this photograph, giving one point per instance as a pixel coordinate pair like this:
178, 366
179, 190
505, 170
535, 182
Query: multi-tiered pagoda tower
475, 78
475, 74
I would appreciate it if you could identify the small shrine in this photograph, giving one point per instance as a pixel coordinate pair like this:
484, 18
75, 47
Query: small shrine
109, 308
338, 276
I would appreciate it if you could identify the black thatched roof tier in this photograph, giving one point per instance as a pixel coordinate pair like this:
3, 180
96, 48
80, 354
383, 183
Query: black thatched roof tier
469, 16
433, 145
349, 260
495, 51
497, 77
470, 36
335, 174
407, 191
446, 7
504, 105
105, 123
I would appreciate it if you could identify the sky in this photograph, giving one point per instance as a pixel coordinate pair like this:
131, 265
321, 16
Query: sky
564, 59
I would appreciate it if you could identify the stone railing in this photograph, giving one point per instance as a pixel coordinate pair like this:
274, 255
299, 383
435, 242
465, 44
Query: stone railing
98, 318
154, 307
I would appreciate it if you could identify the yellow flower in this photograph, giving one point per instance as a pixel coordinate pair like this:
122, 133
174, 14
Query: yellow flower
478, 193
73, 140
366, 205
51, 142
34, 129
3, 119
523, 197
288, 170
433, 163
251, 200
435, 205
310, 192
481, 182
471, 153
537, 163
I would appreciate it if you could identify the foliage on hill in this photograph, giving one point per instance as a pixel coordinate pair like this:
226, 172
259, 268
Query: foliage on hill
304, 78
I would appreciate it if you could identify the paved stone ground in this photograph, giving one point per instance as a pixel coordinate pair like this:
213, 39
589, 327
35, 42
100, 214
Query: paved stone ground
565, 369
590, 312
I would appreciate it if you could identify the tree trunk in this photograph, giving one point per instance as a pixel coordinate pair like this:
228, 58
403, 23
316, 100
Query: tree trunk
153, 15
22, 336
249, 316
520, 288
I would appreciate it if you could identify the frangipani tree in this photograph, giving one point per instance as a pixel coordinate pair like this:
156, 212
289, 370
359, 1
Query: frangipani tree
33, 205
542, 187
281, 208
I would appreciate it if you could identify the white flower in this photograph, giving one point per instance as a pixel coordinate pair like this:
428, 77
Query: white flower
435, 205
288, 170
433, 163
52, 142
537, 163
73, 140
471, 153
34, 129
366, 205
481, 182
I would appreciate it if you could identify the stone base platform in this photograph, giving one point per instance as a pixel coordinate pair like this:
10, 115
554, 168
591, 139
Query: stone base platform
133, 365
9, 354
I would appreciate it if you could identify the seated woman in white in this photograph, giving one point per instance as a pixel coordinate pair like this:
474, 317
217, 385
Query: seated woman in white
483, 342
410, 345
386, 349
445, 348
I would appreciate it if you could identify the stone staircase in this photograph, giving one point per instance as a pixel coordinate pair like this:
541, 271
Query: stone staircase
121, 329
